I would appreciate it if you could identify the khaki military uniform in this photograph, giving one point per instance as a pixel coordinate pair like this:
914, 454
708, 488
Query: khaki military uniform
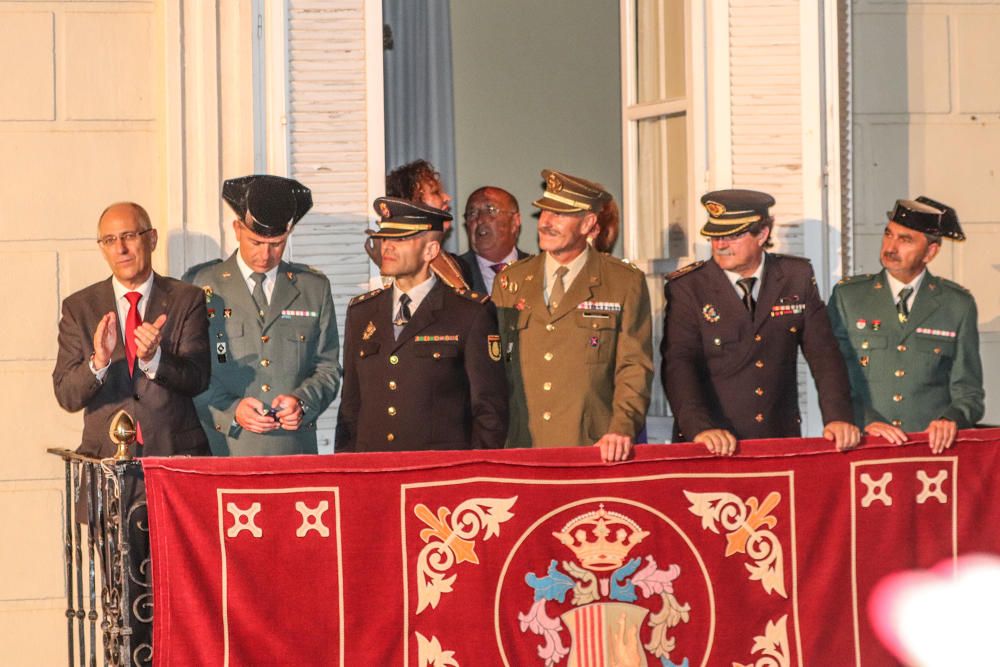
908, 374
295, 351
583, 370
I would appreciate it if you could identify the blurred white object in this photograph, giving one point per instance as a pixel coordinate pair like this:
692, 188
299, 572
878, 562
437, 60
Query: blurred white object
942, 617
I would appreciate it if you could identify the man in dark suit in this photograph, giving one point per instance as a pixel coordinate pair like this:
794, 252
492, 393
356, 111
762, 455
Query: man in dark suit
493, 222
275, 368
732, 329
137, 341
421, 360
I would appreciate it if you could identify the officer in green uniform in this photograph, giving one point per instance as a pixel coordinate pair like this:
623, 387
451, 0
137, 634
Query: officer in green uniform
272, 327
575, 331
910, 338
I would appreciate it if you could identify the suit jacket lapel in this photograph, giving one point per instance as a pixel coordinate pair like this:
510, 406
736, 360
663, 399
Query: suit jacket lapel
285, 292
236, 292
927, 300
159, 297
425, 316
772, 284
725, 296
582, 287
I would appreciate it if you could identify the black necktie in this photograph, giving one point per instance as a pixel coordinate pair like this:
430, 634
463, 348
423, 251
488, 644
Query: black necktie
258, 294
403, 314
902, 309
746, 284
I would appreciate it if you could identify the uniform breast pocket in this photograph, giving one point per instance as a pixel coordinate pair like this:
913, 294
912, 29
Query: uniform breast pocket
717, 341
599, 333
935, 354
300, 342
870, 352
439, 352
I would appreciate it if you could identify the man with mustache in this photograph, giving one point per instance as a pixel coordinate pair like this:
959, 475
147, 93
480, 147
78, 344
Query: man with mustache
910, 338
493, 222
422, 363
732, 330
576, 331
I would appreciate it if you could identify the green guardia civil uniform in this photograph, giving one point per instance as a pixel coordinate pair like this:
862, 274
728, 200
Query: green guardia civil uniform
909, 373
293, 351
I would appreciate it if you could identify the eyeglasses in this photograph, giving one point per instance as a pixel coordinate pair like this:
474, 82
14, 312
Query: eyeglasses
488, 211
731, 237
126, 237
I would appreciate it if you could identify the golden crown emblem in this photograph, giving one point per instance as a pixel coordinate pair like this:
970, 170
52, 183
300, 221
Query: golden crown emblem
588, 537
553, 183
384, 210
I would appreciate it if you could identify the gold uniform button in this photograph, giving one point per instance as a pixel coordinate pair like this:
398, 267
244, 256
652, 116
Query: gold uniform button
897, 422
547, 416
758, 338
264, 339
265, 362
759, 418
865, 345
390, 437
897, 397
265, 387
901, 348
759, 391
550, 327
436, 355
793, 329
547, 386
391, 411
392, 385
900, 372
759, 363
547, 356
362, 354
301, 338
218, 428
937, 350
718, 342
218, 335
393, 359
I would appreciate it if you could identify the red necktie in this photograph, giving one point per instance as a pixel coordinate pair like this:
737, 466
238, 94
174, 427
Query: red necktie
132, 320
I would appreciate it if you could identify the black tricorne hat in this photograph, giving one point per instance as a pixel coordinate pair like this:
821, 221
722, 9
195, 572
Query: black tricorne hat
949, 219
267, 205
732, 211
400, 218
917, 216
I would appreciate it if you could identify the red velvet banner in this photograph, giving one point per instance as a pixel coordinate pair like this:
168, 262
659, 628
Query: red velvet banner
550, 558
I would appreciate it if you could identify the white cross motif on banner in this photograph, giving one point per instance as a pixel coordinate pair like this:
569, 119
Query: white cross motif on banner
932, 487
877, 489
244, 520
312, 519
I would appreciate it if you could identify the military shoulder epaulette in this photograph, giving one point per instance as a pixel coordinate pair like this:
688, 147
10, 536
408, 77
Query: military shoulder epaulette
952, 284
684, 270
478, 297
194, 270
364, 297
305, 268
778, 255
517, 262
858, 278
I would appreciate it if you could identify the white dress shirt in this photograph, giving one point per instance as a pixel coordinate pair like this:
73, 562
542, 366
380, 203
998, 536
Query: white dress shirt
122, 306
758, 274
895, 286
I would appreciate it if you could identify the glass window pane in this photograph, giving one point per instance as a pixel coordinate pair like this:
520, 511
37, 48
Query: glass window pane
660, 50
661, 179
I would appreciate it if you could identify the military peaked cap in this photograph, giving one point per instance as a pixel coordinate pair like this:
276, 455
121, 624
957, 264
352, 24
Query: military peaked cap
570, 194
401, 218
733, 211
